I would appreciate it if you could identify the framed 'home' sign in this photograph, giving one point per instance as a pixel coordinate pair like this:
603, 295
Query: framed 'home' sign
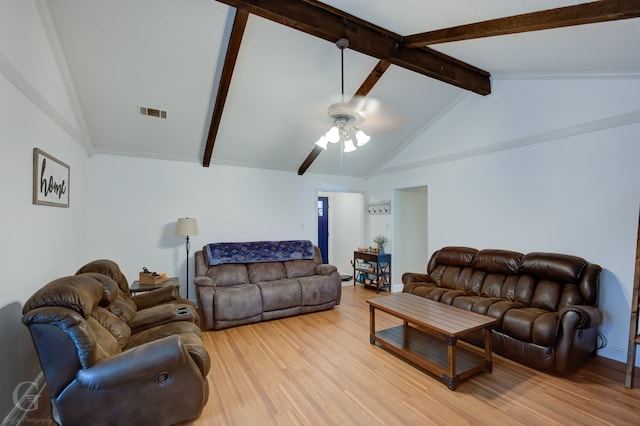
50, 180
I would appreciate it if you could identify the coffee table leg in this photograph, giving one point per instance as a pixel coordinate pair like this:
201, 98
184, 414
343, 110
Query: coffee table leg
451, 379
488, 350
372, 324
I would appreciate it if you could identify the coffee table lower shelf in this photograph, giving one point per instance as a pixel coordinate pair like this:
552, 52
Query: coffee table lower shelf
433, 353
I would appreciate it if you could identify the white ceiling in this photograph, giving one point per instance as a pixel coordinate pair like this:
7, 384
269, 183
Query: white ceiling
167, 54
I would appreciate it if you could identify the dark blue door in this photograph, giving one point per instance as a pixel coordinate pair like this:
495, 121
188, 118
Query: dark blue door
323, 228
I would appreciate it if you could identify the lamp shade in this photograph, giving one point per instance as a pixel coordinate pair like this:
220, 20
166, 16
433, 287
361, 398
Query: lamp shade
186, 226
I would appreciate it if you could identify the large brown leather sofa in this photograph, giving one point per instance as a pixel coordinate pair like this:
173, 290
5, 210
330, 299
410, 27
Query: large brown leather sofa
247, 286
545, 303
99, 372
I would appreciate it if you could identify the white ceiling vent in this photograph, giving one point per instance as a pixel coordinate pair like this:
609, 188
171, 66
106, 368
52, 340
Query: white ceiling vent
152, 112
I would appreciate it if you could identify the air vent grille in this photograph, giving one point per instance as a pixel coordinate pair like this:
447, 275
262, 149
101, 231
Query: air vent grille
153, 112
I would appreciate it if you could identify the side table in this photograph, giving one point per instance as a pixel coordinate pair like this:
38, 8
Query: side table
372, 269
136, 287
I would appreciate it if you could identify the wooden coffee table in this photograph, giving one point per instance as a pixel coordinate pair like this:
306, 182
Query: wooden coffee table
429, 335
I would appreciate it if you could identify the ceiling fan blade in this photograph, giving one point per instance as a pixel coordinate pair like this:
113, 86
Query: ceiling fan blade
376, 115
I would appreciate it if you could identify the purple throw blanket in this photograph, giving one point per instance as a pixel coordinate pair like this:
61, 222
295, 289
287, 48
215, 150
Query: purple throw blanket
258, 251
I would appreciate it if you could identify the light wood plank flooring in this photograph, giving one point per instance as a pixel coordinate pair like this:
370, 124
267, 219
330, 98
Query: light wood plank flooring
320, 369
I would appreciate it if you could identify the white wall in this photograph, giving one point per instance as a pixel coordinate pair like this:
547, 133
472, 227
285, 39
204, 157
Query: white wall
134, 204
39, 243
570, 186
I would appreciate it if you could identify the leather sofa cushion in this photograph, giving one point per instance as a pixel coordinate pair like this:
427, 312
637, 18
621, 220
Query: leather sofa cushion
453, 256
531, 325
78, 293
300, 268
267, 271
497, 261
123, 307
228, 274
106, 343
109, 286
552, 266
115, 325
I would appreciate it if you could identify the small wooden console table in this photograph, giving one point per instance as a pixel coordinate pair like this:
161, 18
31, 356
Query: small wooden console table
429, 335
376, 274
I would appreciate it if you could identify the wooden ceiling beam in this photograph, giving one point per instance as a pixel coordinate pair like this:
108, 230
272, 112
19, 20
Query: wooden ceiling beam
323, 21
586, 13
235, 39
363, 90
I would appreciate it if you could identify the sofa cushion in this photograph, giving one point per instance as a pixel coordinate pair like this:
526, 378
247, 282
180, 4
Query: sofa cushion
553, 266
238, 302
115, 325
318, 290
497, 261
531, 325
228, 274
106, 343
300, 268
122, 307
269, 271
80, 294
280, 294
453, 256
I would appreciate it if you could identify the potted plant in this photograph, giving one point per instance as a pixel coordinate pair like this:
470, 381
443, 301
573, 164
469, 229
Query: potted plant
380, 241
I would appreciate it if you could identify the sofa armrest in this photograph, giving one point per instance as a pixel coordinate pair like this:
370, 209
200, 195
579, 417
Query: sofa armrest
150, 359
588, 316
325, 269
156, 297
204, 282
416, 277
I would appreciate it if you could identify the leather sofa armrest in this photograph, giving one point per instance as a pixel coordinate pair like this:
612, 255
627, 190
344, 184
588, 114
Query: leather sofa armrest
325, 269
588, 316
156, 297
415, 277
204, 282
155, 358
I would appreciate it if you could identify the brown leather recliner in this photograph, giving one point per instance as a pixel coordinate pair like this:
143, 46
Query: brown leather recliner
144, 310
99, 372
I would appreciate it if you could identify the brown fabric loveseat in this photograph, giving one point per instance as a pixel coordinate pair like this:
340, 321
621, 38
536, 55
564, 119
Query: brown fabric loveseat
243, 283
545, 303
101, 373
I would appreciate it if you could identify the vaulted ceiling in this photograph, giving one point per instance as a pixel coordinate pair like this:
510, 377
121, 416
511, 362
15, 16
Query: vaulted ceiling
248, 83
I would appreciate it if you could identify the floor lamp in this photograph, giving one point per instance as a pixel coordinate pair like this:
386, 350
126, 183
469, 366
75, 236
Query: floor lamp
184, 228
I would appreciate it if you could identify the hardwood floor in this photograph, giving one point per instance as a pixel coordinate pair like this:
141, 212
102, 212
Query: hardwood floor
319, 369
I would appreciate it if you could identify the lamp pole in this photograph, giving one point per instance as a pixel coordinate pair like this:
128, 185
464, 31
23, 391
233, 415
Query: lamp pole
184, 228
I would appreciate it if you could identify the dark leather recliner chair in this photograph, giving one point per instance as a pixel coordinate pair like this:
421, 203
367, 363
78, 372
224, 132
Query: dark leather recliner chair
98, 372
144, 310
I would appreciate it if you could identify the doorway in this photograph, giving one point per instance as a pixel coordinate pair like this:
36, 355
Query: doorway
323, 228
345, 228
410, 245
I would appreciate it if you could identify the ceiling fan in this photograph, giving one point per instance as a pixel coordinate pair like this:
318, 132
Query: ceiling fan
347, 116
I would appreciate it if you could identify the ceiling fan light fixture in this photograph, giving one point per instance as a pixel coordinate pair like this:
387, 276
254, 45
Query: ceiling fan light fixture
322, 142
362, 137
349, 146
333, 134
